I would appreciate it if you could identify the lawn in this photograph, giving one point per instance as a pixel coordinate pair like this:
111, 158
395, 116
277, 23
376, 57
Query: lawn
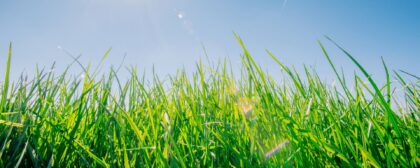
211, 118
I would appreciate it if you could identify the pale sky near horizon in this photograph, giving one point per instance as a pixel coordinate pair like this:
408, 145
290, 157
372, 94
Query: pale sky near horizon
170, 34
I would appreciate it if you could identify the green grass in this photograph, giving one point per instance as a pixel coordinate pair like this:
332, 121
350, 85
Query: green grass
211, 118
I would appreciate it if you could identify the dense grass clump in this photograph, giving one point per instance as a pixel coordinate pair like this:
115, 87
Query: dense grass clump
211, 118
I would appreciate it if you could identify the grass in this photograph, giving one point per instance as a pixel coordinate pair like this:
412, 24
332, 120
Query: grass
212, 118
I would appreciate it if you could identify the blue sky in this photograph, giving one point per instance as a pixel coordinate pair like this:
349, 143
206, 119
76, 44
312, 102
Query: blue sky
170, 34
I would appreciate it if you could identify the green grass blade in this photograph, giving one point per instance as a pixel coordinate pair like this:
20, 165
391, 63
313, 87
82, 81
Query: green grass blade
6, 79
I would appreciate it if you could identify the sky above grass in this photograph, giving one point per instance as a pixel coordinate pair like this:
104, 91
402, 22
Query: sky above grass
172, 34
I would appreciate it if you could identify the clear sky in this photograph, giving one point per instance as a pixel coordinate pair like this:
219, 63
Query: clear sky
170, 34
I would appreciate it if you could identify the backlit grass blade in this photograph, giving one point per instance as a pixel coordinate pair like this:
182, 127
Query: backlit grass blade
6, 79
388, 82
8, 123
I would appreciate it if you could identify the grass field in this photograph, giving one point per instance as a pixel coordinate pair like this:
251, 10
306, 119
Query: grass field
212, 118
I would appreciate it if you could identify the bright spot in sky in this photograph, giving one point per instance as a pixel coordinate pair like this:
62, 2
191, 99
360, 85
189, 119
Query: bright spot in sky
180, 15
